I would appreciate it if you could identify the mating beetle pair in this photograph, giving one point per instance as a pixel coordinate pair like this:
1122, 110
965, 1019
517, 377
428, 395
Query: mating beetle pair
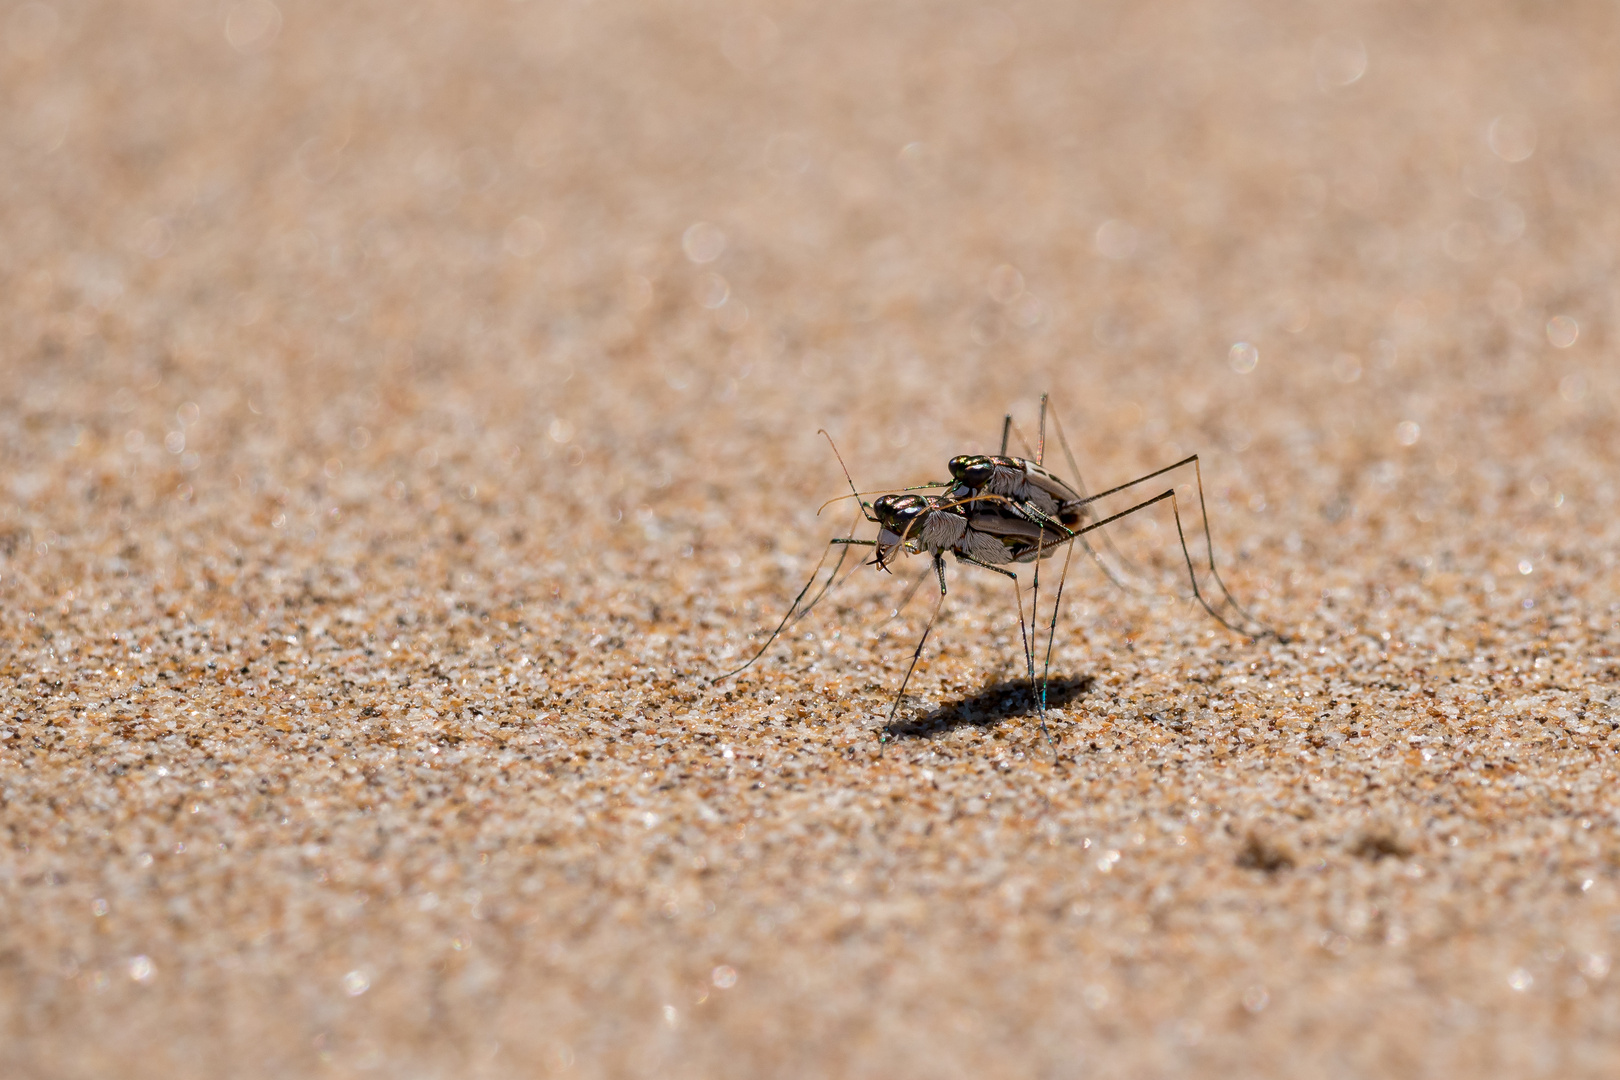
999, 510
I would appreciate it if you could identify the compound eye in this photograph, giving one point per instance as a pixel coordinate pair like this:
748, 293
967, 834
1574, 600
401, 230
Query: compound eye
978, 473
960, 465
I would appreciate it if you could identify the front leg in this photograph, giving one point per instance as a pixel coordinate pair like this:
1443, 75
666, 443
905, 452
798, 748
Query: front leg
939, 568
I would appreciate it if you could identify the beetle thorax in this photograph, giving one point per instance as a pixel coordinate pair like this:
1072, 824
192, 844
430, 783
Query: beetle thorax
939, 530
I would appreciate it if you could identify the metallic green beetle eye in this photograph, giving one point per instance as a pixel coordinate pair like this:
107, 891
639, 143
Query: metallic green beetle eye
899, 507
974, 470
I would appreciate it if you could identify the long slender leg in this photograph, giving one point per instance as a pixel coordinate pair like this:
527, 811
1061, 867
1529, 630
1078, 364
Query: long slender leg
1006, 429
1198, 594
1139, 480
1035, 612
1127, 512
1226, 594
1039, 695
1051, 633
939, 568
831, 583
1186, 555
1040, 443
1185, 552
845, 543
1018, 596
1209, 541
1106, 539
792, 608
1023, 442
911, 591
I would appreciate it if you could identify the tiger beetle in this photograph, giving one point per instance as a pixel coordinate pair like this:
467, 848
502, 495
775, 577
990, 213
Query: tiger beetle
999, 510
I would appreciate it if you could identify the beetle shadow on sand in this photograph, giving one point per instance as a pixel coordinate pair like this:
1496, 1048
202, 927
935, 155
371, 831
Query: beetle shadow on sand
988, 707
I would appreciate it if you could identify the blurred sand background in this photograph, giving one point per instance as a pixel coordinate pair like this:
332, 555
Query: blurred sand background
408, 406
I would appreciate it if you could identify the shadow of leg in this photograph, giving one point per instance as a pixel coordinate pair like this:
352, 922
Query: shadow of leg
988, 707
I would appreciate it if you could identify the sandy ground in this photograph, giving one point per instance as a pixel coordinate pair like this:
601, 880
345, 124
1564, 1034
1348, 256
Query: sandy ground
409, 407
